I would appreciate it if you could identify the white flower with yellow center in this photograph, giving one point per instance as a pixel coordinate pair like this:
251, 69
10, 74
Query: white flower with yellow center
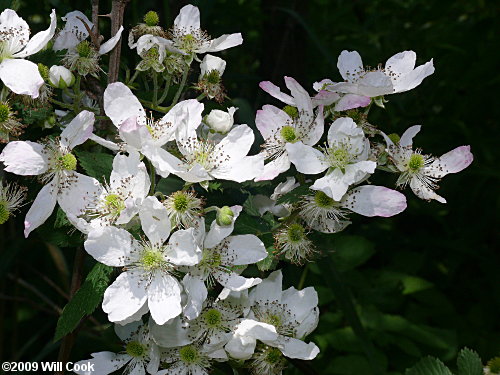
221, 255
116, 202
423, 172
148, 282
12, 197
278, 318
188, 36
54, 162
296, 123
140, 354
19, 75
344, 157
192, 359
327, 215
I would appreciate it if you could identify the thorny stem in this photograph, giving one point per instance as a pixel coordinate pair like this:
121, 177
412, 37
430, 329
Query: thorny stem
76, 281
117, 10
181, 86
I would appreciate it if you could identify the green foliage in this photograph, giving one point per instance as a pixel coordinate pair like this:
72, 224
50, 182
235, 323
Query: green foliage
85, 300
429, 366
95, 164
350, 252
169, 185
469, 363
294, 195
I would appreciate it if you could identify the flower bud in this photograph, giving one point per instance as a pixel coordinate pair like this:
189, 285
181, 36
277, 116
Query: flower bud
221, 121
151, 18
224, 216
60, 77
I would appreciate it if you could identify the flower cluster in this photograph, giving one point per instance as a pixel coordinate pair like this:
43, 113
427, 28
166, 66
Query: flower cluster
187, 296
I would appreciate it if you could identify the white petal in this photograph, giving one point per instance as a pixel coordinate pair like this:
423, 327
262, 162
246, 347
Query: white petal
244, 169
414, 78
324, 97
183, 118
235, 282
184, 250
407, 137
154, 358
211, 63
21, 77
453, 161
74, 31
125, 296
128, 331
134, 133
332, 184
294, 348
10, 20
306, 159
349, 64
41, 208
374, 84
302, 99
40, 39
424, 192
237, 142
351, 101
75, 197
171, 334
24, 158
121, 104
102, 363
78, 130
111, 43
164, 298
242, 344
372, 200
164, 162
136, 367
301, 302
188, 19
135, 317
316, 129
223, 42
270, 119
402, 62
275, 92
197, 293
111, 245
104, 142
274, 168
244, 249
269, 289
155, 221
218, 232
307, 325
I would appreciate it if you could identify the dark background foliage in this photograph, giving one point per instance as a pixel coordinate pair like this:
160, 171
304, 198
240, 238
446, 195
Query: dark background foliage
425, 282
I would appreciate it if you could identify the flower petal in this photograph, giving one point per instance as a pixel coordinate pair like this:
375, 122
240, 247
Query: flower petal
184, 250
164, 298
223, 42
275, 92
244, 249
235, 282
217, 232
407, 137
270, 119
78, 130
121, 104
302, 302
372, 200
24, 158
111, 42
188, 19
243, 342
414, 78
74, 31
349, 64
76, 197
402, 62
244, 169
40, 39
171, 334
274, 168
316, 129
301, 97
102, 363
155, 221
453, 161
351, 101
268, 290
125, 296
211, 63
41, 209
294, 348
184, 117
21, 77
197, 293
424, 192
306, 159
111, 245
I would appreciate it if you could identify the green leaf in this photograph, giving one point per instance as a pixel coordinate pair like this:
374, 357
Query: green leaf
294, 195
96, 164
268, 263
351, 251
169, 185
85, 300
246, 224
429, 366
61, 219
469, 363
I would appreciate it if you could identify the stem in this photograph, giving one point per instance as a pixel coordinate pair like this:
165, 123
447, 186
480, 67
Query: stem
303, 277
155, 89
181, 86
76, 281
152, 176
155, 107
117, 10
345, 300
136, 74
201, 97
166, 90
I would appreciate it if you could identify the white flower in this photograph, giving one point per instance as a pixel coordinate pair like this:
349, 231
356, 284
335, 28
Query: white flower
279, 319
327, 96
147, 283
74, 32
345, 157
192, 359
221, 121
61, 77
116, 202
184, 208
141, 354
292, 241
264, 204
19, 75
398, 75
188, 36
279, 128
423, 172
327, 215
55, 164
12, 197
220, 255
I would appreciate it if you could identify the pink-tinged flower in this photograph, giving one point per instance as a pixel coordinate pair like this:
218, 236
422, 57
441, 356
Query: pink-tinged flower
423, 172
19, 75
54, 162
279, 128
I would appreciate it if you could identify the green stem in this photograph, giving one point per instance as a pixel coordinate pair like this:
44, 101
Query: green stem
201, 97
155, 89
152, 175
136, 74
166, 89
181, 86
303, 277
155, 107
345, 300
77, 94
